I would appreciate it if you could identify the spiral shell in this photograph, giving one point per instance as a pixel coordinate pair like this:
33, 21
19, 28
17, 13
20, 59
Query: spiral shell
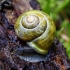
37, 29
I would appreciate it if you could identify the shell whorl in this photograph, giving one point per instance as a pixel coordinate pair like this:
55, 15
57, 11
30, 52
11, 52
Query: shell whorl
30, 21
37, 29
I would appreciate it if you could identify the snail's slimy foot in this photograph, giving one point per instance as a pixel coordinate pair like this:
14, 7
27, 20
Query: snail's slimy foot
28, 54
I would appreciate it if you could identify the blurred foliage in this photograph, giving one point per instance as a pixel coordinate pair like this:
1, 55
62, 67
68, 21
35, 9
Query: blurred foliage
59, 11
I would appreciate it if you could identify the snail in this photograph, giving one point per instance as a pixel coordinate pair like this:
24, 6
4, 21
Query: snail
37, 29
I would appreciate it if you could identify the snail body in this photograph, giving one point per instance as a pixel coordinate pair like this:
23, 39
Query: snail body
37, 29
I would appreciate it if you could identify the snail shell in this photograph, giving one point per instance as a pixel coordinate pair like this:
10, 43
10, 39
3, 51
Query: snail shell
37, 29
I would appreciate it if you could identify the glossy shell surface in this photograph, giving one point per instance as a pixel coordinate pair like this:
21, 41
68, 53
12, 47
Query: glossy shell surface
37, 29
